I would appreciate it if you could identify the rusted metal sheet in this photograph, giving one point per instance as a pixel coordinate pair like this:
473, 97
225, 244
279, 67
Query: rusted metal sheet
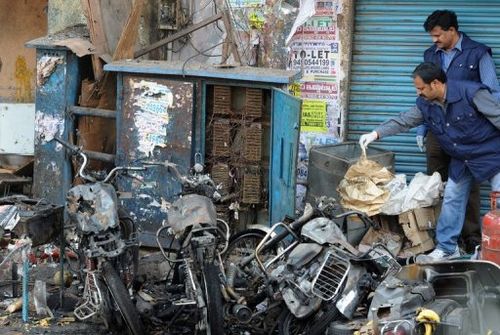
155, 122
57, 90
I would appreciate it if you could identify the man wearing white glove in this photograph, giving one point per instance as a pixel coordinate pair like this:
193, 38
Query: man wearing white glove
366, 139
461, 58
420, 142
465, 119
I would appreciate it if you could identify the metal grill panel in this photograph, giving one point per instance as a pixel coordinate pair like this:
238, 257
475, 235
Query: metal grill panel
221, 137
251, 188
220, 175
253, 103
331, 275
252, 150
222, 100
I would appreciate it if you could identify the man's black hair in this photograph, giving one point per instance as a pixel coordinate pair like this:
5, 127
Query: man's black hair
428, 72
443, 18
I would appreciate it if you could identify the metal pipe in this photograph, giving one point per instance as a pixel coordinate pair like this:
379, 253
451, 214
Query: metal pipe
26, 289
97, 112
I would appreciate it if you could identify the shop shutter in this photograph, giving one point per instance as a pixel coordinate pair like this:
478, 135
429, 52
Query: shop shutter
388, 43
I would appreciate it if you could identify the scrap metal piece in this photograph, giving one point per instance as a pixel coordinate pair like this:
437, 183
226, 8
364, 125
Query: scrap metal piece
93, 207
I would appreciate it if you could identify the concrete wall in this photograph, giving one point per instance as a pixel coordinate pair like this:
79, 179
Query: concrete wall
64, 13
21, 22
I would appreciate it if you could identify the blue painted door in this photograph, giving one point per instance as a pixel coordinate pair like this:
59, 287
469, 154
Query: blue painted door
284, 144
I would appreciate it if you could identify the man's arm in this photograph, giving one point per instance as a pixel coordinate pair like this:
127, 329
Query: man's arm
488, 75
401, 123
488, 106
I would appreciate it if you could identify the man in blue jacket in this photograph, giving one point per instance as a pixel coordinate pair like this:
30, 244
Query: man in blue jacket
461, 58
465, 119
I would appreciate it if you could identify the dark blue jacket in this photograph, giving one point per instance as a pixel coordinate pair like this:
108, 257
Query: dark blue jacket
465, 64
465, 134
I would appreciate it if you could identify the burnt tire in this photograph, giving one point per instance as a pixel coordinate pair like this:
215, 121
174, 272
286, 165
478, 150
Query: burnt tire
317, 324
122, 300
242, 245
213, 296
130, 257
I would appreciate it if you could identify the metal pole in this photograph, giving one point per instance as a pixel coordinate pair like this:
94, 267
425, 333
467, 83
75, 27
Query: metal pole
26, 300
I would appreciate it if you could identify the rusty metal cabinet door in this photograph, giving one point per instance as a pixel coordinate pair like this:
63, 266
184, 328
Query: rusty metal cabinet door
285, 137
155, 121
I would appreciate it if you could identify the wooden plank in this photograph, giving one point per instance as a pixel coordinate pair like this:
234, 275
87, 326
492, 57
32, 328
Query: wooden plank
93, 13
124, 50
230, 46
116, 13
125, 47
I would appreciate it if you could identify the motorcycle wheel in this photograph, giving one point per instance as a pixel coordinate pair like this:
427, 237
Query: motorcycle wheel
213, 295
314, 325
129, 260
121, 297
241, 245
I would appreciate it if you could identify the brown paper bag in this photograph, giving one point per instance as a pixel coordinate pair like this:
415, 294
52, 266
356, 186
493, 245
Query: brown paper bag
362, 187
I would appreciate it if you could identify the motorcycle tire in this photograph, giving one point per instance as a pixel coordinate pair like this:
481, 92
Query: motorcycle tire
131, 255
213, 295
314, 325
240, 246
121, 297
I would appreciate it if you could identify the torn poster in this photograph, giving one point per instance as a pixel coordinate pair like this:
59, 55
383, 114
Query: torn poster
151, 118
306, 10
47, 127
45, 66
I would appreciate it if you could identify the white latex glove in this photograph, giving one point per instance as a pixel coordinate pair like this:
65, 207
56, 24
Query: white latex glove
366, 139
420, 142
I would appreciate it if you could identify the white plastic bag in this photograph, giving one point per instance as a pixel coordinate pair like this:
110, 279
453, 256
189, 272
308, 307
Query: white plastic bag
398, 190
423, 191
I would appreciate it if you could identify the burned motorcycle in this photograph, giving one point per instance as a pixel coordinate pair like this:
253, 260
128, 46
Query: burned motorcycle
319, 275
106, 243
200, 237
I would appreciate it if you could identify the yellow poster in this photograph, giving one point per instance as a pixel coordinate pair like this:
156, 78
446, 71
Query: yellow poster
313, 116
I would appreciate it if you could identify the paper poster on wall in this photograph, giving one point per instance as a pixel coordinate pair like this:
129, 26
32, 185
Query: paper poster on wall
313, 116
319, 90
314, 139
317, 28
314, 58
326, 7
246, 3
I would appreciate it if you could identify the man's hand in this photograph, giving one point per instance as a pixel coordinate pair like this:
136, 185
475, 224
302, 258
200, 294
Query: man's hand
420, 142
366, 139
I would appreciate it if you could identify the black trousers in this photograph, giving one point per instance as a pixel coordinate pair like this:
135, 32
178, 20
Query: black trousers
438, 160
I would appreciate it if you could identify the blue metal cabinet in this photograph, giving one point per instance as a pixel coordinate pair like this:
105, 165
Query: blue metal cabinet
285, 131
162, 113
58, 81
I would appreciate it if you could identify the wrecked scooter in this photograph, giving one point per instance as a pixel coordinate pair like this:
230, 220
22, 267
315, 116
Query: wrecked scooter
106, 242
193, 225
319, 276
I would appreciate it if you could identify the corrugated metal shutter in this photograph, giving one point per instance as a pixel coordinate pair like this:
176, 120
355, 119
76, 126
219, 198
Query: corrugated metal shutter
389, 41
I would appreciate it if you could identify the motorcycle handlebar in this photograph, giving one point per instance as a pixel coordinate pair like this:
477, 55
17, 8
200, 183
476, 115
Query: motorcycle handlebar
75, 150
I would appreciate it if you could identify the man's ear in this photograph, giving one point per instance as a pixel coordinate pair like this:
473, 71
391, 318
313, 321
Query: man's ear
436, 83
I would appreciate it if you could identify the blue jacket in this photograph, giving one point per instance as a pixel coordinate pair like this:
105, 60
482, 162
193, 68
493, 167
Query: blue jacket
465, 134
464, 66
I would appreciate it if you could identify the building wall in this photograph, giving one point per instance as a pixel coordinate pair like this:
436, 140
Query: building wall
21, 22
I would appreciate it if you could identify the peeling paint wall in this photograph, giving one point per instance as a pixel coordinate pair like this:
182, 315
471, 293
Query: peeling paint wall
21, 22
64, 13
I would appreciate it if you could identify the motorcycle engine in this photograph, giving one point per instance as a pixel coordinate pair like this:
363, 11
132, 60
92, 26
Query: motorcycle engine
295, 277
